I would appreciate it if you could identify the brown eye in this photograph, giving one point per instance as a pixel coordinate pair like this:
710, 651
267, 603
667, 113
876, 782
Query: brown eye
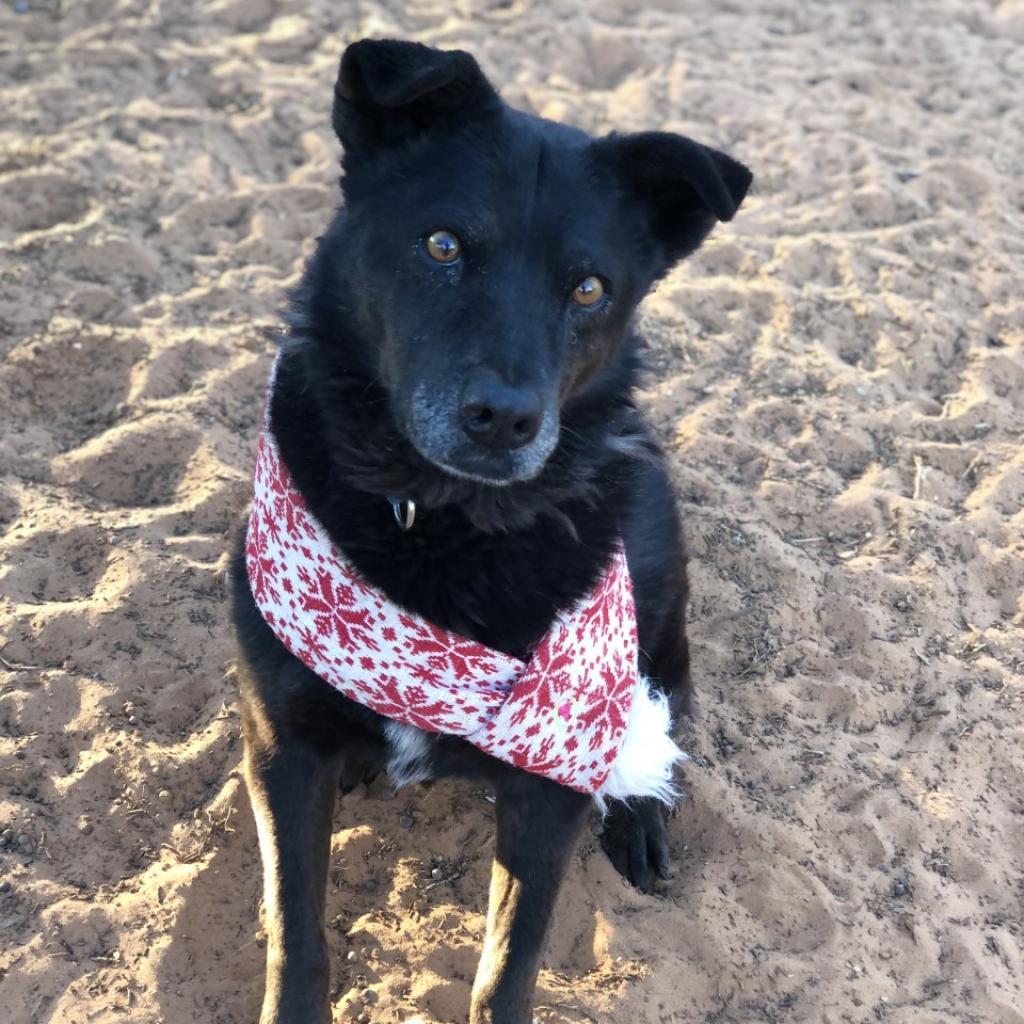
588, 292
444, 247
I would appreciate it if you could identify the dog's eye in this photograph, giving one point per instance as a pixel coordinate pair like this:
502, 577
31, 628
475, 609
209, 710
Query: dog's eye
589, 292
444, 247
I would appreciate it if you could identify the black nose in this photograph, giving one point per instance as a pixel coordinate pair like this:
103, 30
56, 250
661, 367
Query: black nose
498, 415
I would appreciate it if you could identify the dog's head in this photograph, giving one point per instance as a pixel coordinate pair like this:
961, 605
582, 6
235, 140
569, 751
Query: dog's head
495, 259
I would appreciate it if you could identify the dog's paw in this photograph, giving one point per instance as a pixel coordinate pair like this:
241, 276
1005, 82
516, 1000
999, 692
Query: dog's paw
635, 838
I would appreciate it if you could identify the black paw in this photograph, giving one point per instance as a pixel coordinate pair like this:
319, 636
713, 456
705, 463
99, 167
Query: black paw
635, 838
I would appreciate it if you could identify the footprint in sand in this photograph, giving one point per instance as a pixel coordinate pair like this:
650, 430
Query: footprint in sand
78, 554
138, 464
37, 200
76, 379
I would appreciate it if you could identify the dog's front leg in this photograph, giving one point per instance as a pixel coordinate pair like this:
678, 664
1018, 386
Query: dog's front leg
538, 822
292, 789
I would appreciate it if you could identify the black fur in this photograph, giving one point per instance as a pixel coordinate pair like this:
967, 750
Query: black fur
367, 406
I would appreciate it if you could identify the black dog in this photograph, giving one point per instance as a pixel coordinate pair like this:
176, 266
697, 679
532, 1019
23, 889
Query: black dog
462, 340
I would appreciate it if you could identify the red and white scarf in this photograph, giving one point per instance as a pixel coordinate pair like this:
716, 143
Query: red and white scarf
577, 712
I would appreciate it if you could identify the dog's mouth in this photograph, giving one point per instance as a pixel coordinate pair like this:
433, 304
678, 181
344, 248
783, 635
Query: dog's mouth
489, 476
490, 468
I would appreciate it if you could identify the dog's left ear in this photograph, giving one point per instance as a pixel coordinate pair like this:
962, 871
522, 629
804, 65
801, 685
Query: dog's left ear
389, 90
685, 187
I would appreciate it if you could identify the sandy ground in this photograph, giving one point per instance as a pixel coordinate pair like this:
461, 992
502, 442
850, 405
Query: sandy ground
838, 376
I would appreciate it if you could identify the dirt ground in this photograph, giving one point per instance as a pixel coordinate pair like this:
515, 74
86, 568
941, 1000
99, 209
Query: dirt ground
839, 377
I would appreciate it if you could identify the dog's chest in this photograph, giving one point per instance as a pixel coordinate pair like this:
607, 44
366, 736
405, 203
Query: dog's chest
502, 591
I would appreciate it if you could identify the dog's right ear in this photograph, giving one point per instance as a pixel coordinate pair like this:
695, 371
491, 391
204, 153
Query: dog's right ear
388, 91
684, 187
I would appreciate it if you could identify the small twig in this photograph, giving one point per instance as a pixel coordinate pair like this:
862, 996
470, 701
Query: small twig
920, 470
17, 666
972, 466
434, 885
